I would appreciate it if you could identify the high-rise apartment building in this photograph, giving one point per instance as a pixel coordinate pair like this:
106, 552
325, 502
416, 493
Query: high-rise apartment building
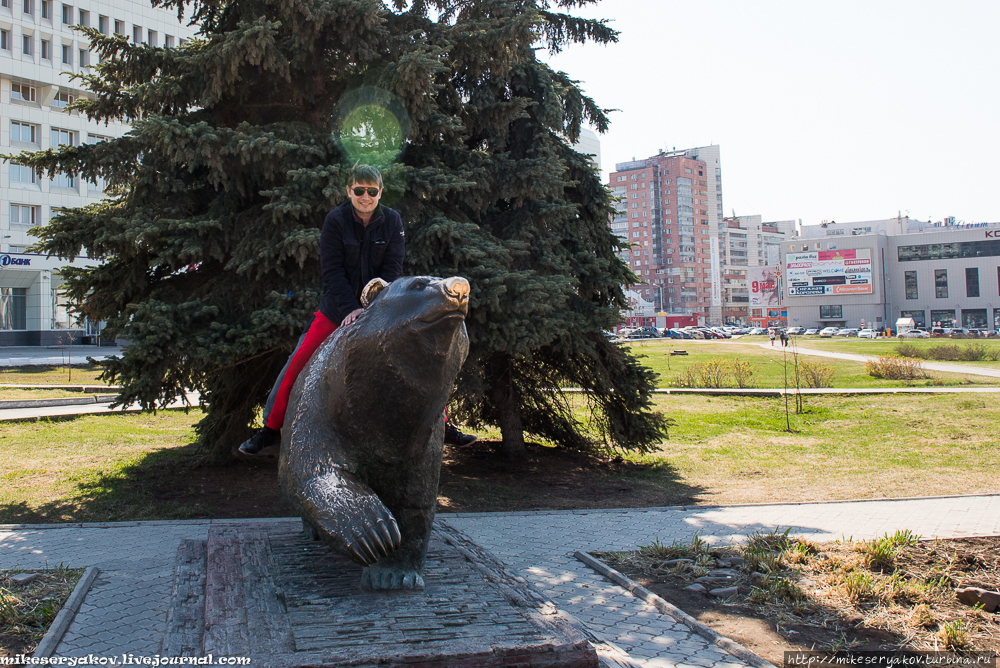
39, 51
670, 214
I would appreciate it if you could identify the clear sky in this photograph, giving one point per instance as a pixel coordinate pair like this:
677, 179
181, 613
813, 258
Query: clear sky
849, 110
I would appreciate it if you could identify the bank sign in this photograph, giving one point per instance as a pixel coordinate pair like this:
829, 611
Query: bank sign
14, 260
834, 272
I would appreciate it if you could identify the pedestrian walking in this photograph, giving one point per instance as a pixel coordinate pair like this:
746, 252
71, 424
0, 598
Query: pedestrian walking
770, 334
784, 339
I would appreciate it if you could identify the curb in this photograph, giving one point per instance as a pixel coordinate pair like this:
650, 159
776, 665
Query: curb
47, 647
722, 642
62, 401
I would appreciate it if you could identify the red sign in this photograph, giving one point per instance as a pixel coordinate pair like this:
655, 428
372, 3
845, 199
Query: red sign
837, 255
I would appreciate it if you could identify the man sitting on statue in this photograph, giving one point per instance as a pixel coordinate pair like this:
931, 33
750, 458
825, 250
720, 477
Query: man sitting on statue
361, 240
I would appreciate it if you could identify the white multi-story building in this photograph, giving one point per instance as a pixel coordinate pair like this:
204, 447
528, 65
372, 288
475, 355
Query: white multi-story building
39, 51
748, 242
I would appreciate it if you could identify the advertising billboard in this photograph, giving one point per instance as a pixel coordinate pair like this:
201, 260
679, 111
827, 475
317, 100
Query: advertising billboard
762, 285
833, 272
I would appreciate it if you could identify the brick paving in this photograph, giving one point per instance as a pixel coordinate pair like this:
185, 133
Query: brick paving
125, 610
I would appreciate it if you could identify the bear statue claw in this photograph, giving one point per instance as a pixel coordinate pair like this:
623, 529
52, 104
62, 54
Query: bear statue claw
375, 578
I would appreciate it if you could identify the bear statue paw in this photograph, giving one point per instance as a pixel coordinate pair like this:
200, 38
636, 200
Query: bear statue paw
375, 578
374, 541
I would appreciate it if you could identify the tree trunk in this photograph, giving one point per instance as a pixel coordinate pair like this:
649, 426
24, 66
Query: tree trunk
504, 397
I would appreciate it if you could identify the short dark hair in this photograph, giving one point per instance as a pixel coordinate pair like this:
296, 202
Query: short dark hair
364, 174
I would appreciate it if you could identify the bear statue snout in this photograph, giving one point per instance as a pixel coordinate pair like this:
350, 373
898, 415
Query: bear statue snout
457, 288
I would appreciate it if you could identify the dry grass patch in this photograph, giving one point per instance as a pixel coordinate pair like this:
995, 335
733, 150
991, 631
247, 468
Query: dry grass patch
892, 593
27, 611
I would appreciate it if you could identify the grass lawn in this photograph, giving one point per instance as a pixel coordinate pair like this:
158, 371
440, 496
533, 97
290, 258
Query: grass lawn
769, 365
736, 449
18, 393
723, 450
50, 375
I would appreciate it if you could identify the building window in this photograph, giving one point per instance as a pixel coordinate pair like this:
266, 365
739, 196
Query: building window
67, 15
137, 34
831, 312
13, 308
84, 58
102, 24
46, 50
974, 318
942, 318
62, 100
119, 27
47, 9
62, 137
23, 132
26, 6
910, 280
151, 37
941, 283
84, 18
67, 54
918, 317
22, 93
22, 214
972, 283
168, 41
22, 174
27, 44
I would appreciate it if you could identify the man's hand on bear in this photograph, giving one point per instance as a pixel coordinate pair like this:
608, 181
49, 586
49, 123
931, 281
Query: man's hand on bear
352, 316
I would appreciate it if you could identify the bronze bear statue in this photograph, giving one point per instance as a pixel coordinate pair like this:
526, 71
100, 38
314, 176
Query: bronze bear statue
361, 448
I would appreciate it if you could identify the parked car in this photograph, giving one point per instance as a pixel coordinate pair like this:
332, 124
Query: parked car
867, 334
914, 334
827, 332
757, 330
722, 331
812, 331
644, 333
677, 333
795, 330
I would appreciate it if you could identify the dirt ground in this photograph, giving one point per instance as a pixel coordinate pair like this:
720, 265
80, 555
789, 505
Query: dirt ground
909, 605
473, 479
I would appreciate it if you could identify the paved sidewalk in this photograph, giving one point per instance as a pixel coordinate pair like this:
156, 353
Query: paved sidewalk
53, 355
930, 366
125, 610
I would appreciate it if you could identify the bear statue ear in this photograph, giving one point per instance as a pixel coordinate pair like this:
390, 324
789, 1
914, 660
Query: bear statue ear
372, 290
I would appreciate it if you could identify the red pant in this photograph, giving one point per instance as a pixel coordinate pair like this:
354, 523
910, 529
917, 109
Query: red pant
320, 329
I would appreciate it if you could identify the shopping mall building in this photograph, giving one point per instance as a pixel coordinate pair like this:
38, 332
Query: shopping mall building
872, 273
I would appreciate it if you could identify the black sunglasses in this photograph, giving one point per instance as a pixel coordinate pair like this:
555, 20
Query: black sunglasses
359, 191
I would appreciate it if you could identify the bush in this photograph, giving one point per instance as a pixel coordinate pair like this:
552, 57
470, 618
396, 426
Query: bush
910, 350
895, 368
718, 372
950, 352
816, 374
974, 352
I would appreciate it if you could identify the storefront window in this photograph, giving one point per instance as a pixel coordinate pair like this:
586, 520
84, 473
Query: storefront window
61, 316
996, 319
918, 317
13, 308
831, 312
942, 318
974, 318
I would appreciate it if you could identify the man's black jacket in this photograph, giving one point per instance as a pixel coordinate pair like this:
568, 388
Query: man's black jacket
351, 254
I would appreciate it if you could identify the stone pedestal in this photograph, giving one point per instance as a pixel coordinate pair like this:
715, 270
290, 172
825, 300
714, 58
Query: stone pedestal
285, 600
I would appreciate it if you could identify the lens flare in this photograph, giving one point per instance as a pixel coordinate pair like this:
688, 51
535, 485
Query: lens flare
371, 125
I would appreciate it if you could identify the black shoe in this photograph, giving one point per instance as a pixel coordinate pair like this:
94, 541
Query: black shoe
265, 438
453, 436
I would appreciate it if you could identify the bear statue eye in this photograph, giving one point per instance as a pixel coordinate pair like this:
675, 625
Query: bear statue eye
419, 285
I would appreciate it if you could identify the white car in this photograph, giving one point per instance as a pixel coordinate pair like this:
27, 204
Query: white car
913, 334
795, 330
812, 331
827, 332
867, 334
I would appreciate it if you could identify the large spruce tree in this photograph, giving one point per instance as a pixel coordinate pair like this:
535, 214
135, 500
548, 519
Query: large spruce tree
208, 240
